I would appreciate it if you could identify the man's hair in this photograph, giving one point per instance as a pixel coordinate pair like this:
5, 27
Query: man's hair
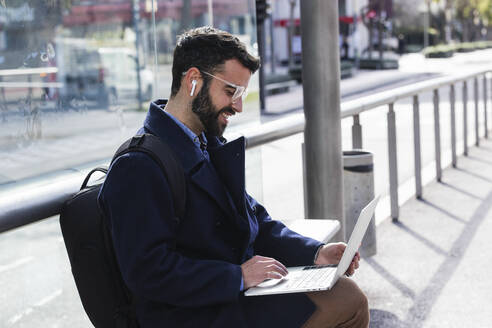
206, 48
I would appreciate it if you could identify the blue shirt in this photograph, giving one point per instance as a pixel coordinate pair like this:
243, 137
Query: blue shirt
198, 143
192, 135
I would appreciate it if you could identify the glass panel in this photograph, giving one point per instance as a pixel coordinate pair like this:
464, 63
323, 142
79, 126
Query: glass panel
69, 95
69, 72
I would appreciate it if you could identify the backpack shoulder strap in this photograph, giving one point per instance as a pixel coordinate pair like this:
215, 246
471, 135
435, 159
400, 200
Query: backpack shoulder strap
160, 152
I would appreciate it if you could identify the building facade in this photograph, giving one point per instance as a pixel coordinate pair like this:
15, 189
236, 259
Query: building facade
283, 12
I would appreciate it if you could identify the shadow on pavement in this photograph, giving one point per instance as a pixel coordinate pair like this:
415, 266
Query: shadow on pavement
442, 210
478, 176
481, 160
485, 148
385, 319
405, 290
424, 302
420, 238
464, 192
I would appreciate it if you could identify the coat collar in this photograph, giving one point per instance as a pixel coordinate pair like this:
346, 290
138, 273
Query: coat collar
227, 160
162, 126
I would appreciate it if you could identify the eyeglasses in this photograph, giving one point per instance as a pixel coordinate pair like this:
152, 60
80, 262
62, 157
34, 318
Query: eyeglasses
239, 91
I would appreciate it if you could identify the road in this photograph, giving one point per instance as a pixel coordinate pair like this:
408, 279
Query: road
37, 287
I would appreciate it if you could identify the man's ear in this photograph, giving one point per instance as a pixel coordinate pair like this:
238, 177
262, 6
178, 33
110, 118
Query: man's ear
193, 81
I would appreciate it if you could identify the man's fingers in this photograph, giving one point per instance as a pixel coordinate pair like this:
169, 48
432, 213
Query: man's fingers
274, 262
356, 260
352, 268
355, 263
281, 266
257, 259
261, 258
274, 267
273, 275
358, 256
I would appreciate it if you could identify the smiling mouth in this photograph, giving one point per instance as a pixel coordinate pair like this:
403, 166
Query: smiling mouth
226, 114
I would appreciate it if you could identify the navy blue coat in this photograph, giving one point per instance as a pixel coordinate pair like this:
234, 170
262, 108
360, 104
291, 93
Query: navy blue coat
187, 273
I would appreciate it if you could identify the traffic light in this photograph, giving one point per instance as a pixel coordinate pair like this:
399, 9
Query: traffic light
262, 8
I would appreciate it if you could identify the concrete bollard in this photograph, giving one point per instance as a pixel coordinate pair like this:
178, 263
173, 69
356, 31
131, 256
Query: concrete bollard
358, 182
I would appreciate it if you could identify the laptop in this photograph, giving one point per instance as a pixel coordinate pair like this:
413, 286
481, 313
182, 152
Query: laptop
317, 278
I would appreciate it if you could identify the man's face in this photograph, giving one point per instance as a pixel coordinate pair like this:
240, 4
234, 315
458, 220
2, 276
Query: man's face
214, 104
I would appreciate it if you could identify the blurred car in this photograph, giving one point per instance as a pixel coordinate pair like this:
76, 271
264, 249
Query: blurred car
121, 79
83, 76
99, 76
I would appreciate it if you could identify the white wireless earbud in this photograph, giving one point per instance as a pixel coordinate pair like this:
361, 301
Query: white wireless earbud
193, 86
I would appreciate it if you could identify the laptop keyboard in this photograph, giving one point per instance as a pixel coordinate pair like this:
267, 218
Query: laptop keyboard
311, 277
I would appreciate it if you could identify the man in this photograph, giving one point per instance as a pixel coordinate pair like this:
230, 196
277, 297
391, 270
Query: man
191, 272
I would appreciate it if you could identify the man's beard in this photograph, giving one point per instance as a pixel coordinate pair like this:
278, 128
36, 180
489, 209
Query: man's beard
209, 114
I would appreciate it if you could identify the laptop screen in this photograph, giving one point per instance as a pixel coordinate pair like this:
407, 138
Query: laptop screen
356, 236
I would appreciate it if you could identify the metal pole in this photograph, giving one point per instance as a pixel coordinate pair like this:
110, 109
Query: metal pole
29, 92
393, 163
210, 8
186, 18
485, 123
4, 104
272, 47
322, 135
357, 34
475, 94
448, 13
416, 147
452, 100
261, 49
304, 180
291, 33
371, 36
426, 24
380, 33
136, 22
465, 118
156, 80
356, 133
437, 135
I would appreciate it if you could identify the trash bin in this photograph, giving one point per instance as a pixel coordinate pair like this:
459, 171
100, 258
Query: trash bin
358, 182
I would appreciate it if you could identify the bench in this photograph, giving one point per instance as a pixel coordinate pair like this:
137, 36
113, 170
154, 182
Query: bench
321, 230
280, 87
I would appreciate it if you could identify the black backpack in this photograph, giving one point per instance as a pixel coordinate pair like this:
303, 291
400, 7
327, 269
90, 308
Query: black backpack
106, 300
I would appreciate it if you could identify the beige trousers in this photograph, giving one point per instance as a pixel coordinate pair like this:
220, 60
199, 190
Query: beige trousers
345, 305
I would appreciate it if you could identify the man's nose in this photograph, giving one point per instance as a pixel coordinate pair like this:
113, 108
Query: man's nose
238, 105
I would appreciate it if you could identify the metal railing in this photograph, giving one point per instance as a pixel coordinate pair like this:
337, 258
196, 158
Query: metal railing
29, 73
39, 199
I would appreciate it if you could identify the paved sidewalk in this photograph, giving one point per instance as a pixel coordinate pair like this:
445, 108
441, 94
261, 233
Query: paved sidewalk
433, 266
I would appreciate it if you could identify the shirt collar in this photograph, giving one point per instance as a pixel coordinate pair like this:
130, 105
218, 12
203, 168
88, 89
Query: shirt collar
199, 141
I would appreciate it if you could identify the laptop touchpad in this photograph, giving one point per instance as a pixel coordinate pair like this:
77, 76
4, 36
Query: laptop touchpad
270, 282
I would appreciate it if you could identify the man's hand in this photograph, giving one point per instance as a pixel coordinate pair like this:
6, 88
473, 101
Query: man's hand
259, 268
332, 253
